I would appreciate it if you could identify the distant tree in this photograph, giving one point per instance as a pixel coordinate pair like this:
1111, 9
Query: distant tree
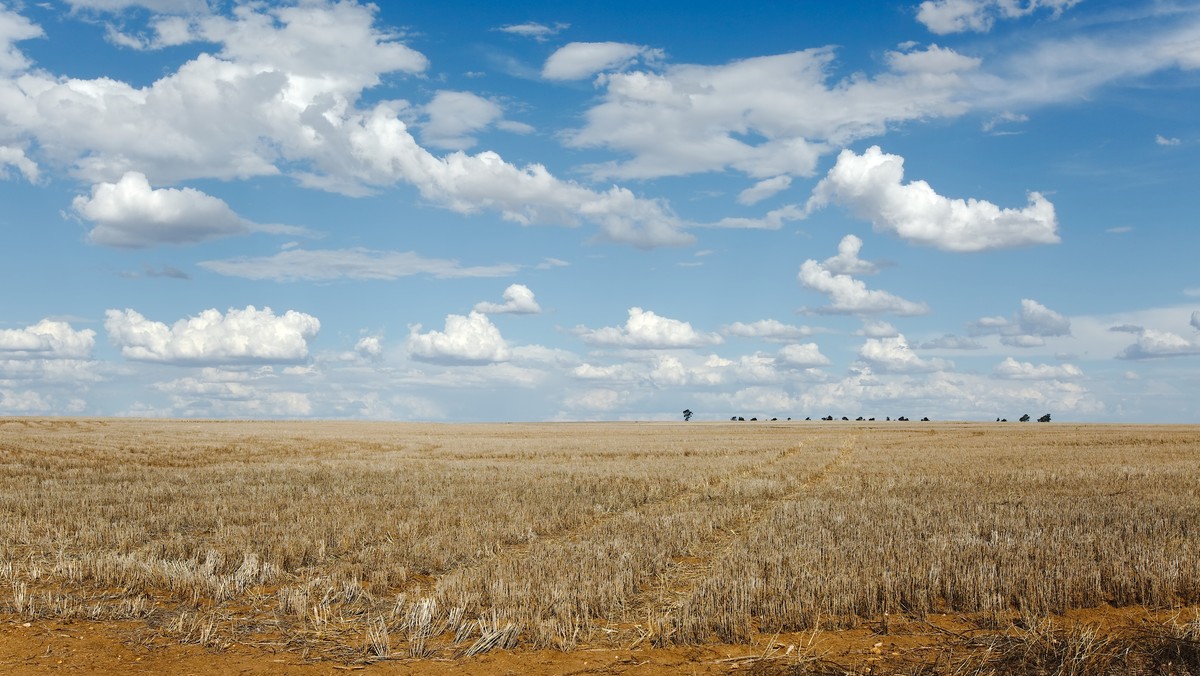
1003, 419
1024, 418
809, 418
741, 419
754, 420
733, 418
925, 419
687, 414
1045, 418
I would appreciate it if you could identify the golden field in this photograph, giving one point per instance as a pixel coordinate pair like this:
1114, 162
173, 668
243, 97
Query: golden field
371, 544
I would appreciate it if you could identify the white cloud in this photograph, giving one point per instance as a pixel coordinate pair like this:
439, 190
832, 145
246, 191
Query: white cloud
950, 341
455, 117
847, 262
774, 219
281, 95
280, 88
15, 157
611, 372
532, 29
466, 340
305, 265
646, 330
893, 355
130, 214
1152, 343
579, 60
239, 336
765, 116
1165, 141
958, 16
1019, 370
1003, 118
14, 28
20, 402
771, 330
529, 195
518, 299
848, 295
877, 328
370, 348
48, 339
1072, 68
217, 392
804, 355
870, 185
598, 399
764, 189
158, 6
1028, 328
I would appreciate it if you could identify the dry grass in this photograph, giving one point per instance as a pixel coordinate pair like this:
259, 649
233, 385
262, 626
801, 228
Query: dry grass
365, 542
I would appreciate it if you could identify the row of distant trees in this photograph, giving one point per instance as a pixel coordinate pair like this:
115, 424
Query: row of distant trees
687, 415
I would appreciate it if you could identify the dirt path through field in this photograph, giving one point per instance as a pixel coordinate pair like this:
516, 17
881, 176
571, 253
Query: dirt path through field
665, 595
518, 551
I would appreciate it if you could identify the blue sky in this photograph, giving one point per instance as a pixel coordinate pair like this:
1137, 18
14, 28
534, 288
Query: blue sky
961, 209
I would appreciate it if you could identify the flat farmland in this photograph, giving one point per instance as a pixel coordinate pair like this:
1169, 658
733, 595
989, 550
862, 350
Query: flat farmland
768, 547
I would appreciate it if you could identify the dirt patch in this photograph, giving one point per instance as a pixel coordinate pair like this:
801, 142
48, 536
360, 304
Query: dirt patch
888, 645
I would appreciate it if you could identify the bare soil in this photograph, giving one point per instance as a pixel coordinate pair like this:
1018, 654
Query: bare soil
894, 645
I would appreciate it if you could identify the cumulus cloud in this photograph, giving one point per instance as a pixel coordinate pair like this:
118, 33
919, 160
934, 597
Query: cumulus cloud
805, 355
766, 116
369, 348
1165, 141
358, 263
130, 214
647, 330
847, 262
771, 330
1155, 343
959, 16
453, 118
15, 157
764, 189
518, 299
532, 29
871, 186
48, 339
848, 295
281, 95
238, 336
1027, 328
472, 339
1019, 370
893, 355
579, 60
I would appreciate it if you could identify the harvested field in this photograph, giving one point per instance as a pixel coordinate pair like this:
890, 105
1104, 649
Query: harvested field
783, 547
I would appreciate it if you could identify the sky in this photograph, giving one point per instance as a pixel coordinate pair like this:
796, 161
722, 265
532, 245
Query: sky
525, 211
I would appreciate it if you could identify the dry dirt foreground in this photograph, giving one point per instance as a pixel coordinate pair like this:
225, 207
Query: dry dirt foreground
133, 546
